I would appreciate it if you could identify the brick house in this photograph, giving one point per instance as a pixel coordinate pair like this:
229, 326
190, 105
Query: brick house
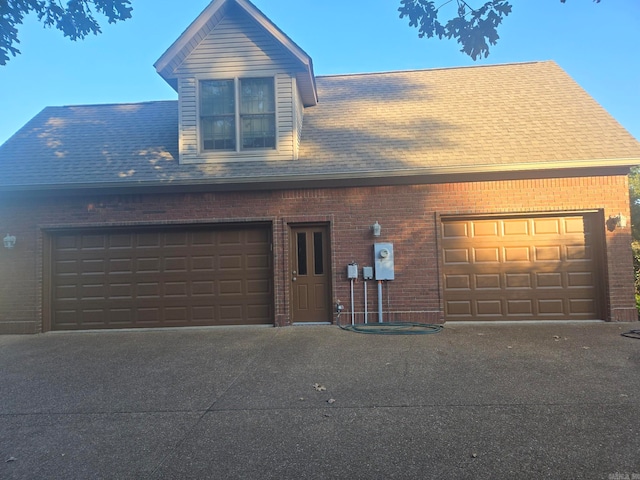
501, 193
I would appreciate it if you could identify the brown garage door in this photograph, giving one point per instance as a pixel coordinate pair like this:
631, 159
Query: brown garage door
163, 277
514, 268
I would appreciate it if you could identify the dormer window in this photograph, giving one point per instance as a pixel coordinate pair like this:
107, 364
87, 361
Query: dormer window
225, 127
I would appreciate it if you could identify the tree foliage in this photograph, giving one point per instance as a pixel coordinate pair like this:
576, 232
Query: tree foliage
634, 195
474, 28
75, 20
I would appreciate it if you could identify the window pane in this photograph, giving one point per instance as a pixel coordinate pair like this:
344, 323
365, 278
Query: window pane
218, 133
258, 131
217, 115
217, 97
257, 96
302, 253
318, 254
257, 113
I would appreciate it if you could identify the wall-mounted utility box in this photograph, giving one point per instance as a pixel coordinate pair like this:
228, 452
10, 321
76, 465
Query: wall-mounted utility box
352, 270
383, 256
367, 273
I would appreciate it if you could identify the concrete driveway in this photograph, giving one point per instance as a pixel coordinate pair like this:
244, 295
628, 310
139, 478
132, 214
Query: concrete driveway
558, 401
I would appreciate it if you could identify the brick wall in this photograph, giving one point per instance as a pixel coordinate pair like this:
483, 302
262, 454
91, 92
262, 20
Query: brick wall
408, 215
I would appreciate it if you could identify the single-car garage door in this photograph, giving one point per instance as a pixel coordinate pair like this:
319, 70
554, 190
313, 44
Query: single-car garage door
522, 268
161, 277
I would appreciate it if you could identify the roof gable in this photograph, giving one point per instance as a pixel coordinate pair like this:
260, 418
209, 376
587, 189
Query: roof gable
168, 64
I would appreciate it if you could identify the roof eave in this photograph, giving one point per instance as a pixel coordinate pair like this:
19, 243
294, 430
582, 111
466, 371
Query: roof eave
458, 174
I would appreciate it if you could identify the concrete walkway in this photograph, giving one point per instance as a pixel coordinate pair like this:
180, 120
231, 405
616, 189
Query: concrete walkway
557, 401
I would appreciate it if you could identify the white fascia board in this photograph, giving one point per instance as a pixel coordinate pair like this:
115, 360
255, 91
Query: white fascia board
188, 34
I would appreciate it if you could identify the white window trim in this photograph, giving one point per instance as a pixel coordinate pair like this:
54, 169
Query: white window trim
238, 153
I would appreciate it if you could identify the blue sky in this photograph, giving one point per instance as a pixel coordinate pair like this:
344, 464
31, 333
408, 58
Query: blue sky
597, 44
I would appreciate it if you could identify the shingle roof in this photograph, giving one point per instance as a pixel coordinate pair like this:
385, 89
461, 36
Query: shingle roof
461, 117
428, 122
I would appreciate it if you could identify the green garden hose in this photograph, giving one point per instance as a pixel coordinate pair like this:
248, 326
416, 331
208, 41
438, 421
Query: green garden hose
393, 328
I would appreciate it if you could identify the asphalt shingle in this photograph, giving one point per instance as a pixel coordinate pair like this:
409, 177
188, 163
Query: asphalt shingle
512, 117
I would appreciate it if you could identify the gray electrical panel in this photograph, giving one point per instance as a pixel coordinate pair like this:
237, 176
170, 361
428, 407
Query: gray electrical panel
367, 273
383, 256
352, 270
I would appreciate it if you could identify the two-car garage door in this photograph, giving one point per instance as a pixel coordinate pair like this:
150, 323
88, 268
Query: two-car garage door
546, 267
161, 277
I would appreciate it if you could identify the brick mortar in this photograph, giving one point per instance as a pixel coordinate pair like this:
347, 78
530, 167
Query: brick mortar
408, 215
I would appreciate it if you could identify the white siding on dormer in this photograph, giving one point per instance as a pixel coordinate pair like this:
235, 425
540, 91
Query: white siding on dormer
298, 115
238, 47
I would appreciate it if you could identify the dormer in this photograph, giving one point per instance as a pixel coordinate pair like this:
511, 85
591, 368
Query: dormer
242, 86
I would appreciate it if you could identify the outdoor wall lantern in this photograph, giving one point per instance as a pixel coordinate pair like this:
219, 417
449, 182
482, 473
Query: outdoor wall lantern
9, 241
376, 229
619, 221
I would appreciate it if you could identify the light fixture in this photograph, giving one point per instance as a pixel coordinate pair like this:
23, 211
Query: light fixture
622, 221
376, 229
9, 241
619, 221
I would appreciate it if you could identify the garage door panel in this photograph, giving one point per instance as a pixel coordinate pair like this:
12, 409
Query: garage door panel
92, 267
120, 265
176, 264
456, 255
94, 291
534, 268
516, 228
486, 255
259, 286
580, 279
545, 253
148, 265
203, 263
123, 241
546, 226
548, 280
488, 307
486, 229
203, 313
458, 282
166, 277
258, 262
455, 230
579, 252
458, 308
578, 225
92, 242
258, 314
120, 291
517, 254
517, 280
553, 307
520, 307
582, 306
487, 281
